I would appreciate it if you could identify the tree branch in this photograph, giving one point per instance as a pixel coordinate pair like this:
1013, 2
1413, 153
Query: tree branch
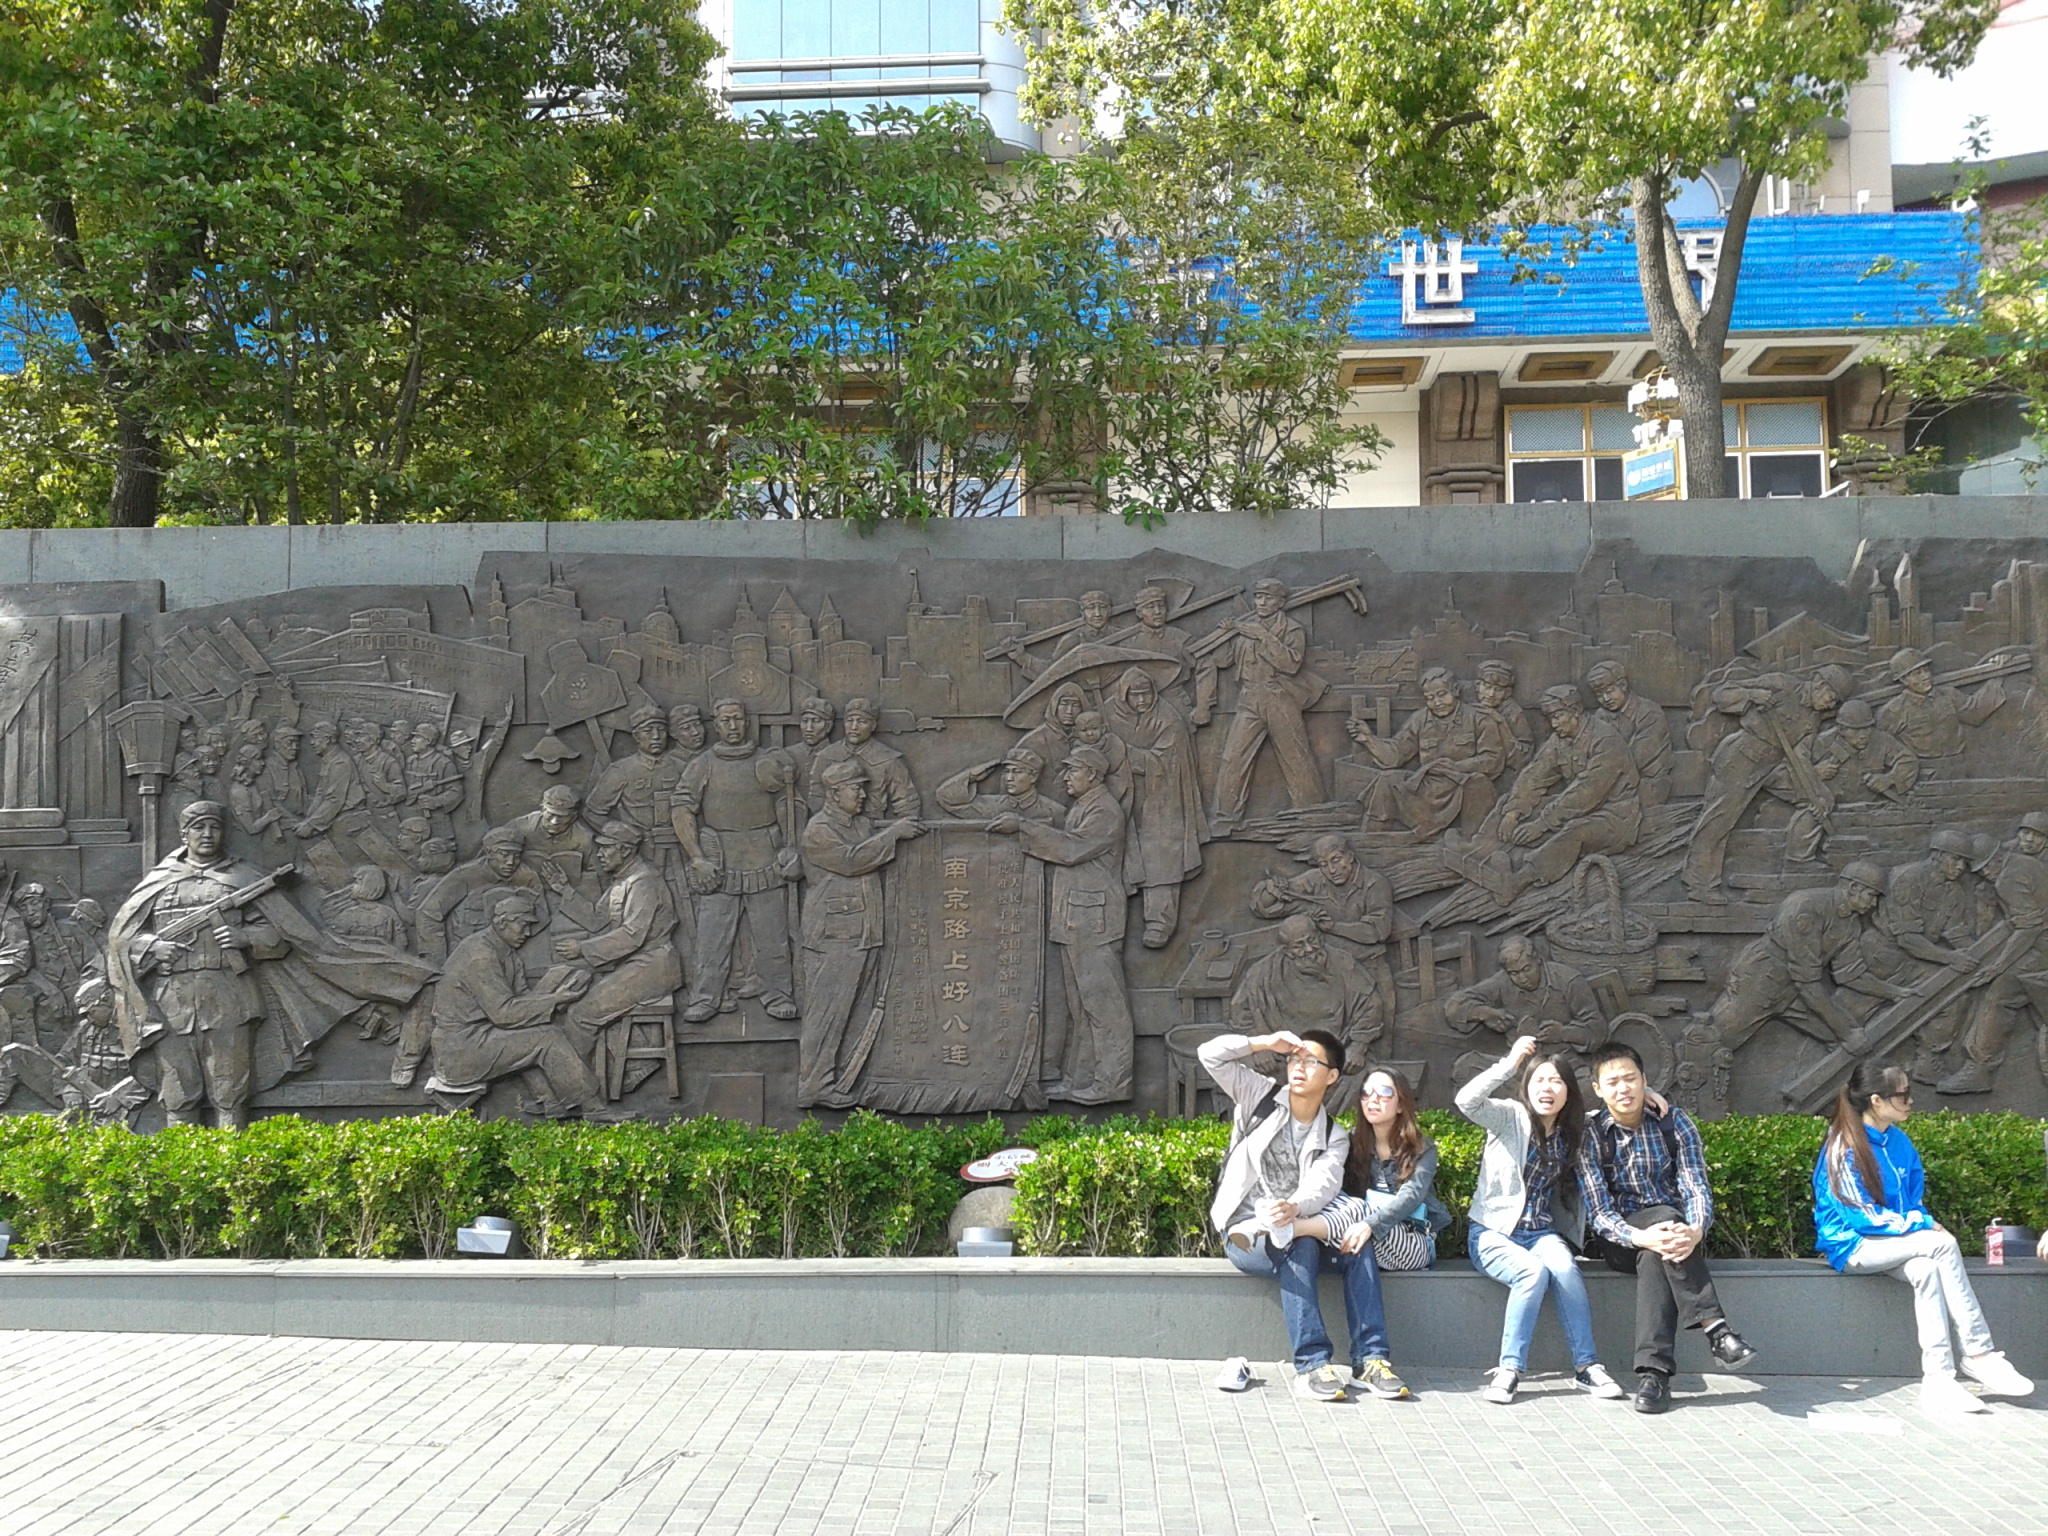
1735, 234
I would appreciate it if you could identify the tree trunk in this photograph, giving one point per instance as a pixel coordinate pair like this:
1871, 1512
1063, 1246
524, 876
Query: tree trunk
138, 472
1689, 335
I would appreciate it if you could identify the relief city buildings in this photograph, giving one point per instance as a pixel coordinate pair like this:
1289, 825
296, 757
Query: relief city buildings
611, 836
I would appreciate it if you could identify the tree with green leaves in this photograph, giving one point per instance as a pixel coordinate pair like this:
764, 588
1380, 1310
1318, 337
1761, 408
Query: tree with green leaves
1466, 113
869, 319
315, 260
1994, 348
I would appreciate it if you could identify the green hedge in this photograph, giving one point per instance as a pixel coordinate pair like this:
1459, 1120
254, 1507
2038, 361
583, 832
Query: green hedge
291, 1188
1142, 1188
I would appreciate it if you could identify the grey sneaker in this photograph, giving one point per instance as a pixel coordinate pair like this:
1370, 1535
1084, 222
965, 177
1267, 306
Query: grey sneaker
1324, 1384
1379, 1379
1500, 1386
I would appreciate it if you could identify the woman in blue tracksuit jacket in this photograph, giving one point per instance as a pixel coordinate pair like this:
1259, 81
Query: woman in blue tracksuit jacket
1870, 1215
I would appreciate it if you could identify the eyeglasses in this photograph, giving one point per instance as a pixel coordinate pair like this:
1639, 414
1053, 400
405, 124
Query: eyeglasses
1379, 1093
1905, 1096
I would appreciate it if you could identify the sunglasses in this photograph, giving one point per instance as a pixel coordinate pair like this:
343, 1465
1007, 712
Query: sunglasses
1379, 1093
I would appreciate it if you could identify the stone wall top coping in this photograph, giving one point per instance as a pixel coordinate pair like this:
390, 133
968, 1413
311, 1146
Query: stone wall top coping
1133, 1269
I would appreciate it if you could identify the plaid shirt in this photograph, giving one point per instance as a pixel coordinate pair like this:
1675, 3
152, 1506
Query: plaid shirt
1623, 1171
1542, 1170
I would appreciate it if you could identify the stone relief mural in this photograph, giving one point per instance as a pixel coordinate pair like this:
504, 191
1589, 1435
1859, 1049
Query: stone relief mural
622, 837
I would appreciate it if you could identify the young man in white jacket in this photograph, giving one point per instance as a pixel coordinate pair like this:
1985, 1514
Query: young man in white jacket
1286, 1160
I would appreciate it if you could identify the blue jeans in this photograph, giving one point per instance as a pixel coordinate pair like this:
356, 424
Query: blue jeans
1296, 1270
1528, 1265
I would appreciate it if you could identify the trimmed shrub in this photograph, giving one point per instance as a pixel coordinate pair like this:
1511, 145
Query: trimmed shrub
707, 1188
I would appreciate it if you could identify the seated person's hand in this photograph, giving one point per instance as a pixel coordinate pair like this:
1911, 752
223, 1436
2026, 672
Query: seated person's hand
1356, 1239
1278, 1213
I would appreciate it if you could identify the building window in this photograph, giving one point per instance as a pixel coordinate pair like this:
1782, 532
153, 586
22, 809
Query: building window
1567, 452
865, 29
1776, 448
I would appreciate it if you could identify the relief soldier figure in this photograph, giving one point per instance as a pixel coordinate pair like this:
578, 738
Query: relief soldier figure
728, 823
462, 900
844, 854
1086, 920
1267, 648
814, 722
1858, 762
1780, 716
2022, 887
555, 833
890, 790
1020, 770
1929, 717
1458, 752
1810, 968
627, 943
204, 948
1529, 995
640, 789
1167, 826
1152, 633
1579, 795
1927, 923
1642, 725
1092, 630
1496, 689
488, 1024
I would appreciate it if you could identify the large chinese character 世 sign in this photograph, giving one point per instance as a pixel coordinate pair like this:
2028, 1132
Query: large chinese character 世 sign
1433, 282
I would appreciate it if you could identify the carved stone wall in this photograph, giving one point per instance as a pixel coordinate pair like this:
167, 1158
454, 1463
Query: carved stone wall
946, 823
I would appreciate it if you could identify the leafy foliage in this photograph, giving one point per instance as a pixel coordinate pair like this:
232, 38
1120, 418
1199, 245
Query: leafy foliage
708, 1188
1995, 346
312, 261
1464, 113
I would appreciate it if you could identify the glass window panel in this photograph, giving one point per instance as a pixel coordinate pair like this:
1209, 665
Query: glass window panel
856, 28
1731, 475
1613, 429
1549, 479
907, 27
800, 75
1607, 480
757, 29
1729, 430
1784, 474
865, 72
806, 29
954, 71
1785, 423
956, 26
1542, 431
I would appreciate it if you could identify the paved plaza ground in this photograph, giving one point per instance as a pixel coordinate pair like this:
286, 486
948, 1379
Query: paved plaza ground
185, 1435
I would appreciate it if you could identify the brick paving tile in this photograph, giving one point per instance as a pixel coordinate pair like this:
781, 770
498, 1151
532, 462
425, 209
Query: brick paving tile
189, 1435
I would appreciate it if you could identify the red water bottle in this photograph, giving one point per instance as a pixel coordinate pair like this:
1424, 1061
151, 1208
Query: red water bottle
1994, 1245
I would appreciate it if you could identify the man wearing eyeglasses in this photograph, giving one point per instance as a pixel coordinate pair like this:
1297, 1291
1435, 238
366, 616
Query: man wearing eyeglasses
1286, 1160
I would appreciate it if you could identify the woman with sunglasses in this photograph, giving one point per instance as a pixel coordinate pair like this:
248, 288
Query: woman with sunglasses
1526, 1215
1870, 1215
1389, 1197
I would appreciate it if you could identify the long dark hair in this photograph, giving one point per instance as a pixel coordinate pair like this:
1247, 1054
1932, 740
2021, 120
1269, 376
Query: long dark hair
1405, 1132
1847, 1136
1571, 1118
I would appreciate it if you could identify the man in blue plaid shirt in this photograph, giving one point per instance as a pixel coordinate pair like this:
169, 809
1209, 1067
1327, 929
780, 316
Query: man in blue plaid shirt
1644, 1178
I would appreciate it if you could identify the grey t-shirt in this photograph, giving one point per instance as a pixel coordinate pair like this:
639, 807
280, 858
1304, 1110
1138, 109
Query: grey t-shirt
1279, 1167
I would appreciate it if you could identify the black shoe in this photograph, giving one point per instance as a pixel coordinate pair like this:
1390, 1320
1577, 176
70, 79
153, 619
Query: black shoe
1730, 1349
1653, 1392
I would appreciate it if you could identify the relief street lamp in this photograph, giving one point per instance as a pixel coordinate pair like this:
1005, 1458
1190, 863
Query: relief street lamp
147, 731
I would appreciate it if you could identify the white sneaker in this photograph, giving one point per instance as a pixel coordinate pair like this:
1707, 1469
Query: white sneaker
1235, 1376
1594, 1379
1500, 1386
1995, 1374
1944, 1394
